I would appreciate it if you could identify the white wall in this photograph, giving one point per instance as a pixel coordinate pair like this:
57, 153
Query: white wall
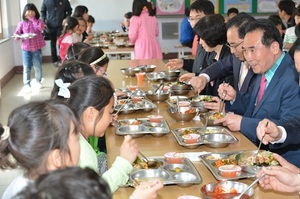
8, 56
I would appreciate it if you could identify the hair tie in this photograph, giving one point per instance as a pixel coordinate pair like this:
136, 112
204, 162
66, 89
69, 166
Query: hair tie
6, 133
63, 90
98, 60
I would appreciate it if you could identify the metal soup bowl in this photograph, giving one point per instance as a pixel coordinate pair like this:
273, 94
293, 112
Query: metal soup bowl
181, 116
207, 190
158, 96
147, 68
129, 72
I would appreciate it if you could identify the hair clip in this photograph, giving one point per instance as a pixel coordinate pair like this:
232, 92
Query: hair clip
63, 90
98, 60
6, 133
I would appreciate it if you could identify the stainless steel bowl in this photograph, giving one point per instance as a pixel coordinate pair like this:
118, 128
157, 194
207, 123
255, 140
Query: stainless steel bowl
217, 140
179, 116
207, 190
172, 73
180, 91
158, 96
147, 68
180, 86
170, 78
129, 72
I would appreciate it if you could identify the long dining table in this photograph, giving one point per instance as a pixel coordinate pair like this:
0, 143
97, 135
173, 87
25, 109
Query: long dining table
158, 146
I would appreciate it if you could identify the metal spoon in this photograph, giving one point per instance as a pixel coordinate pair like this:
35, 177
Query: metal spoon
262, 139
160, 85
143, 157
251, 185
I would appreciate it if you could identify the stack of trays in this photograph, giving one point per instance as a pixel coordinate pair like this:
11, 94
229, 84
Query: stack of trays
184, 174
142, 126
216, 137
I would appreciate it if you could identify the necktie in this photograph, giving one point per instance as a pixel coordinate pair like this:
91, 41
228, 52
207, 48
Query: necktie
262, 86
243, 74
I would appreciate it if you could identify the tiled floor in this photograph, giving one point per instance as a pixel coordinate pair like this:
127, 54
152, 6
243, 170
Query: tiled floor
12, 96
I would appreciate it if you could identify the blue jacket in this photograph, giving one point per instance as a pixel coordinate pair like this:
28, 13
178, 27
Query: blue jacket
227, 66
186, 31
280, 103
53, 12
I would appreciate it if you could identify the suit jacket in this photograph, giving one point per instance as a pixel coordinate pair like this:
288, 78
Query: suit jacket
200, 62
280, 103
231, 65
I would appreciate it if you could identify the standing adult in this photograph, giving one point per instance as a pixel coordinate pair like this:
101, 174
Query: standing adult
53, 13
144, 31
285, 12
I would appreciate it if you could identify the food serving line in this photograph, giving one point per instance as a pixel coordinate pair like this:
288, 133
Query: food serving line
157, 146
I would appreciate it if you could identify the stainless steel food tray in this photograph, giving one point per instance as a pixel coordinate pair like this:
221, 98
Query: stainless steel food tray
131, 107
204, 136
132, 93
172, 101
186, 177
155, 76
126, 127
209, 159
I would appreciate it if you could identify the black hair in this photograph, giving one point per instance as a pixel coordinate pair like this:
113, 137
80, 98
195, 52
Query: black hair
91, 19
91, 54
276, 16
75, 49
187, 11
30, 6
296, 45
240, 21
80, 11
286, 5
212, 30
36, 129
128, 15
69, 24
138, 5
90, 91
270, 32
232, 10
71, 183
207, 7
69, 72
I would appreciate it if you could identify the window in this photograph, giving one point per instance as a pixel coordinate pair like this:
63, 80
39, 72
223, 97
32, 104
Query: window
1, 28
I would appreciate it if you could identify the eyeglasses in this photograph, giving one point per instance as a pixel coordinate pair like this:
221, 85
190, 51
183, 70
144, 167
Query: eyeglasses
193, 19
234, 46
98, 68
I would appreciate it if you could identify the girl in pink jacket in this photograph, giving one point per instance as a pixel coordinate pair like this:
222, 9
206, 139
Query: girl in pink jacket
143, 31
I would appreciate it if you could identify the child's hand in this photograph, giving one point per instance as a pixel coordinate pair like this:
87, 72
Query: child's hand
129, 149
147, 190
114, 119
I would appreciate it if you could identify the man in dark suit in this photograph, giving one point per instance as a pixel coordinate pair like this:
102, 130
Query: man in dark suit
232, 64
276, 93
